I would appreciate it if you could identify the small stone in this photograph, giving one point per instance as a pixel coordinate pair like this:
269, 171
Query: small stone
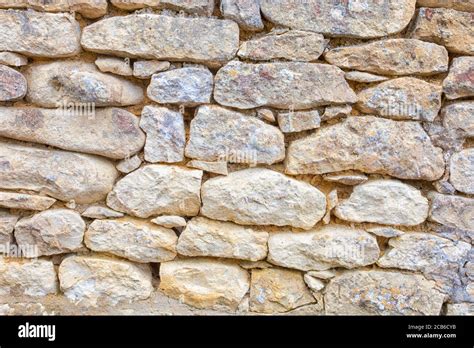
100, 212
459, 116
51, 232
278, 290
55, 84
114, 65
144, 69
200, 7
14, 200
460, 81
332, 200
37, 34
405, 98
449, 28
460, 5
63, 175
363, 77
12, 84
255, 264
382, 293
458, 309
87, 8
291, 85
27, 277
386, 232
314, 284
13, 59
158, 189
204, 237
205, 283
170, 221
254, 197
128, 165
369, 144
348, 178
298, 121
462, 171
387, 202
323, 248
245, 12
338, 111
96, 280
211, 167
165, 134
133, 239
266, 115
7, 224
219, 134
295, 45
188, 86
452, 211
324, 275
392, 57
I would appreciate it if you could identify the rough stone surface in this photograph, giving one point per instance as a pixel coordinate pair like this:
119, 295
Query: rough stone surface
158, 189
323, 248
363, 77
460, 81
211, 167
460, 309
293, 45
371, 145
336, 111
405, 98
388, 202
347, 178
281, 85
262, 197
278, 290
25, 201
205, 283
452, 211
166, 136
205, 237
313, 283
461, 5
205, 40
114, 65
459, 116
12, 59
62, 82
201, 7
219, 134
7, 224
462, 171
324, 275
245, 12
133, 239
382, 293
87, 8
12, 84
128, 165
392, 57
96, 280
367, 19
298, 121
386, 232
144, 69
110, 132
100, 212
169, 221
59, 174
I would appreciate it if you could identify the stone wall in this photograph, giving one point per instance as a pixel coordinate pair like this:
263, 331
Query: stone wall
242, 156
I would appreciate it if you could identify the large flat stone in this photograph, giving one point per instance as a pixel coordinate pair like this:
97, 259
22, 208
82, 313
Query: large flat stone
460, 80
201, 7
12, 84
25, 201
87, 8
460, 5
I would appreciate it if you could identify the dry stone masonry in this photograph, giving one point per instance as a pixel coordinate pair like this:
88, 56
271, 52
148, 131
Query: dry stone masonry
237, 157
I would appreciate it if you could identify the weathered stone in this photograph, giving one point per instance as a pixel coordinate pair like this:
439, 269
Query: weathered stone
382, 293
337, 111
387, 202
459, 116
133, 239
245, 12
324, 275
386, 232
219, 134
460, 5
7, 224
291, 85
278, 290
52, 232
211, 167
188, 86
460, 81
363, 77
158, 189
460, 309
12, 59
449, 28
114, 65
313, 283
392, 57
204, 283
462, 171
38, 34
204, 237
255, 264
298, 121
109, 132
368, 19
255, 197
165, 134
100, 212
60, 174
266, 115
128, 165
27, 277
144, 69
93, 280
87, 8
25, 201
205, 40
62, 82
332, 201
170, 221
369, 144
452, 211
405, 98
294, 45
346, 178
202, 7
12, 84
